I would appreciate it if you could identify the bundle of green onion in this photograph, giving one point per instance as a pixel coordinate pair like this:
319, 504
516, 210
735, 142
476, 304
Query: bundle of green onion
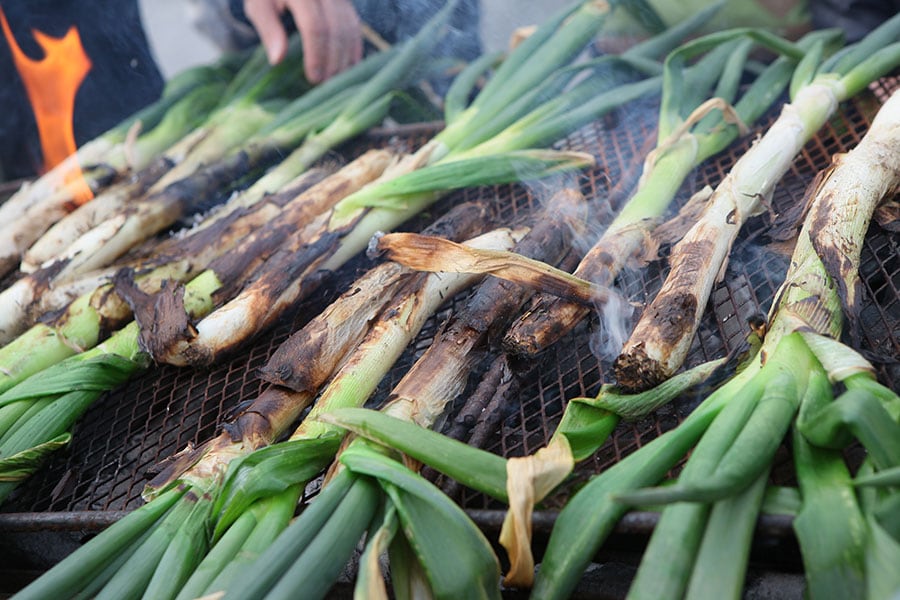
791, 381
222, 506
662, 337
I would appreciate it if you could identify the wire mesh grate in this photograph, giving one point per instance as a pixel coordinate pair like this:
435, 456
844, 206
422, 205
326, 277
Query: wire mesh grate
128, 431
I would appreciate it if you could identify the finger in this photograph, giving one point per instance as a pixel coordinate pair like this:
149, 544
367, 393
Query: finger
265, 15
313, 28
345, 40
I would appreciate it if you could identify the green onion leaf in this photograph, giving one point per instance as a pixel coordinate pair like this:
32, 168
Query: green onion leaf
475, 468
21, 465
489, 170
457, 559
268, 471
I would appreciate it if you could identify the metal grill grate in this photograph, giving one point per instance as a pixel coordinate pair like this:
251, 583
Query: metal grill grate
128, 431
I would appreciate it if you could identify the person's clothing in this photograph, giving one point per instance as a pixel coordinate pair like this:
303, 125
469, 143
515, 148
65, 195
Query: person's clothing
855, 17
224, 23
123, 78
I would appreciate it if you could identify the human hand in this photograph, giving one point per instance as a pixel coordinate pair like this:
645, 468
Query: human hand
329, 30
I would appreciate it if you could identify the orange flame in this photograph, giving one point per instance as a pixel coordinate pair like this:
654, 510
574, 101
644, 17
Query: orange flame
51, 84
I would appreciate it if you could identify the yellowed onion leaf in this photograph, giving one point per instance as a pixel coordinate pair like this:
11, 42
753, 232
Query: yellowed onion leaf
529, 480
370, 583
433, 254
840, 361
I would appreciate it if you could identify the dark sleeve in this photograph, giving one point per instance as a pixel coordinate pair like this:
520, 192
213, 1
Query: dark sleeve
855, 17
125, 77
237, 9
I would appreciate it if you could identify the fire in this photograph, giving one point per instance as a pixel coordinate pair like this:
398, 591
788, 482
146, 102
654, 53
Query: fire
51, 84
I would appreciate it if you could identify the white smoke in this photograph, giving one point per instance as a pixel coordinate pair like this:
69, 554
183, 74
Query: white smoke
614, 326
